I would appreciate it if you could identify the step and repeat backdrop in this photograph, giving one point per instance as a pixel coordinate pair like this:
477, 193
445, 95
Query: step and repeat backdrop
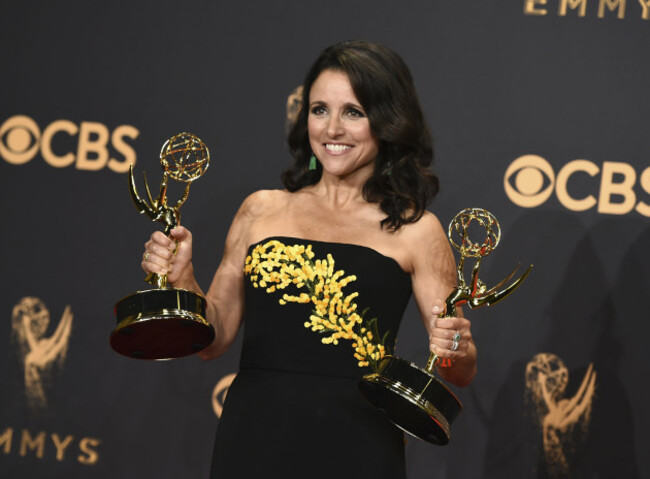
540, 112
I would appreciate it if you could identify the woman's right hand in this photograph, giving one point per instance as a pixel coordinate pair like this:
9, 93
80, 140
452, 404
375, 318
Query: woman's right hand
159, 255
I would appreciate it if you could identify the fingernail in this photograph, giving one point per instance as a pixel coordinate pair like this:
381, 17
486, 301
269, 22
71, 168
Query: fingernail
436, 309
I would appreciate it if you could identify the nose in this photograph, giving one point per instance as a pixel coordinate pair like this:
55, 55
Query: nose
335, 126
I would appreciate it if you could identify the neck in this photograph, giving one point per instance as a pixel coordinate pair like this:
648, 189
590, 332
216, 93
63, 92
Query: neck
339, 192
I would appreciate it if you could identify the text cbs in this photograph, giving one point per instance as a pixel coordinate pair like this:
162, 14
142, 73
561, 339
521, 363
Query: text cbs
530, 180
88, 145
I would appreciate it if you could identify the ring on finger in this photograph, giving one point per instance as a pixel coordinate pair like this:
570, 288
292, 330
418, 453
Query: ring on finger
454, 345
456, 336
145, 256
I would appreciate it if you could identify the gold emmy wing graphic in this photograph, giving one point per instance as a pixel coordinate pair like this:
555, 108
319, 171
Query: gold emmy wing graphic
411, 397
164, 322
220, 392
294, 103
563, 421
41, 355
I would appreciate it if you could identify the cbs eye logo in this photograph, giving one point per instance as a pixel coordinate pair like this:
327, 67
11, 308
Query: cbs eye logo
525, 179
530, 181
63, 143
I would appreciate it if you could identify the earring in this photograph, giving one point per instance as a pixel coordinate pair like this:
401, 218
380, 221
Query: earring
312, 163
389, 169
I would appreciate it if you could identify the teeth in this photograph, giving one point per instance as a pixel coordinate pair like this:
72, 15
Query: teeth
337, 148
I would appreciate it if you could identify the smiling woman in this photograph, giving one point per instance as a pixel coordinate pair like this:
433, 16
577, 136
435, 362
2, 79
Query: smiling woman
339, 130
383, 93
331, 259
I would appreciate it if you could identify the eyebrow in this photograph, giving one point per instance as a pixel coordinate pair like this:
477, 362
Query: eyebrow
347, 105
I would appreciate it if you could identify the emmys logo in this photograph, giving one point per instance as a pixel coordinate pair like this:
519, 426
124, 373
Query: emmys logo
219, 393
41, 355
63, 143
564, 422
530, 180
599, 7
27, 444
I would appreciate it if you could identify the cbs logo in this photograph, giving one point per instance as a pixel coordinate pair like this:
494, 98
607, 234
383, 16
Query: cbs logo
63, 143
530, 180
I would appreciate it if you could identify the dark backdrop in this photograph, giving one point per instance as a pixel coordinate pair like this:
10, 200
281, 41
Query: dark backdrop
498, 79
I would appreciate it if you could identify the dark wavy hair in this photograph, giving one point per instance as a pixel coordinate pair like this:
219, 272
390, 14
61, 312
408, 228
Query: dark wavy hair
402, 183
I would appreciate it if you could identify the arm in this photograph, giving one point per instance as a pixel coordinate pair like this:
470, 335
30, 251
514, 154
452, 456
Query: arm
433, 278
225, 297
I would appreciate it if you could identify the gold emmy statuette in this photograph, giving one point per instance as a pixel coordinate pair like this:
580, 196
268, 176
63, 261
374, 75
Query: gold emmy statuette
412, 398
165, 323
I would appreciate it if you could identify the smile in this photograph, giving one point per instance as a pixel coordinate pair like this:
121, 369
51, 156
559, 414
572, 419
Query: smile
336, 148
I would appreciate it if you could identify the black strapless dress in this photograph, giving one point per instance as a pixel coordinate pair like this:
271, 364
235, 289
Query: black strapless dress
294, 409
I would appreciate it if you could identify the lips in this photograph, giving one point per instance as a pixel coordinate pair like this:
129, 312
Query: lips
336, 147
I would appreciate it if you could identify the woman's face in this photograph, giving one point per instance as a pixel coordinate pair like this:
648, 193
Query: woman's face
339, 130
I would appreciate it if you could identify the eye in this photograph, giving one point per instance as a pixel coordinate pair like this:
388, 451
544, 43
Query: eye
355, 113
318, 110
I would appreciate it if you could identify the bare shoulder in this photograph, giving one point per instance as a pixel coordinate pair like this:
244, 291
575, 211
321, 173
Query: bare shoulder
425, 233
256, 212
428, 248
261, 202
256, 205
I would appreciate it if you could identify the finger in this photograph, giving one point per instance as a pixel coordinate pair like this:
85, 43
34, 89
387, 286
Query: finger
444, 349
180, 233
442, 344
150, 267
438, 307
450, 323
160, 238
160, 252
154, 264
456, 335
452, 344
445, 334
156, 256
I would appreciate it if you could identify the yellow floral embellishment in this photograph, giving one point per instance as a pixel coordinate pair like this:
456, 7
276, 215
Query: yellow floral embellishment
276, 266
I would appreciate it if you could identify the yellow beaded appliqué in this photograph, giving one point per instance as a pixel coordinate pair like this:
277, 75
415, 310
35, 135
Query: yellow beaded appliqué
275, 266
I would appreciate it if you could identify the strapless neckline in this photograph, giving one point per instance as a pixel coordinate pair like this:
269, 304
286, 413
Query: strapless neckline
352, 245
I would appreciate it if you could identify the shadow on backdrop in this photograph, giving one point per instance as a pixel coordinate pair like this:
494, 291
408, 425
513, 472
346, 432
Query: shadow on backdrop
553, 425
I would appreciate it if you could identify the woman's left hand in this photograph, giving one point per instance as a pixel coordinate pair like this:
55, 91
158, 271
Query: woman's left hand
449, 337
435, 276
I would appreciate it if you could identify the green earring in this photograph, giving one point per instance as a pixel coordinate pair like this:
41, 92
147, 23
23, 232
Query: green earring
312, 163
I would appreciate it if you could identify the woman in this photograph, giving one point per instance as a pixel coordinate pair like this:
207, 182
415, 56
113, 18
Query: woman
325, 269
